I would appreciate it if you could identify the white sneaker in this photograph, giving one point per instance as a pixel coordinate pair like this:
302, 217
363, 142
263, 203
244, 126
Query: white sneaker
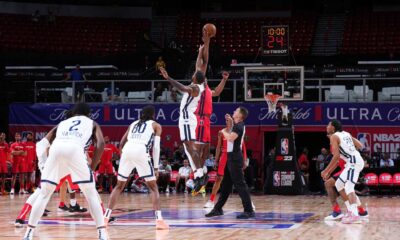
254, 206
12, 191
28, 234
334, 216
167, 190
209, 204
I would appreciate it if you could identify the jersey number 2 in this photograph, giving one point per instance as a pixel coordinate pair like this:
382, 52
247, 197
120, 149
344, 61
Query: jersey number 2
75, 123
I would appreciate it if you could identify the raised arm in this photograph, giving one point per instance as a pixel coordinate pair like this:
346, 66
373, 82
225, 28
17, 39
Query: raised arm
99, 146
156, 146
217, 91
228, 134
203, 55
193, 90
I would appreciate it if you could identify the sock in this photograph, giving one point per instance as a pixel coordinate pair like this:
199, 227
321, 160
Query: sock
358, 201
354, 209
347, 203
24, 211
158, 215
107, 213
62, 204
212, 197
102, 232
361, 210
336, 208
72, 202
198, 173
29, 232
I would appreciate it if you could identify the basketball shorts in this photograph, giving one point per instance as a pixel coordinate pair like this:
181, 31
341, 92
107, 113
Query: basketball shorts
135, 156
18, 166
3, 167
29, 167
203, 134
67, 159
187, 129
351, 172
106, 168
222, 164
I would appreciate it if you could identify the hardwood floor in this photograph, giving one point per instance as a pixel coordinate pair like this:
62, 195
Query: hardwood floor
278, 217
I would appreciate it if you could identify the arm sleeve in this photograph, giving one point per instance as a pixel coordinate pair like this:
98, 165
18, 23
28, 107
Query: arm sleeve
156, 151
41, 152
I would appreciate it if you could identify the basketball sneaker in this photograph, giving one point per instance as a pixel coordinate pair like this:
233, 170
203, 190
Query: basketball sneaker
63, 209
161, 225
12, 191
200, 184
209, 204
19, 223
350, 218
246, 215
77, 208
334, 216
215, 212
254, 206
363, 215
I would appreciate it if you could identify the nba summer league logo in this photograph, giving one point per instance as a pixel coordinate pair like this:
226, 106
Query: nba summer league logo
365, 139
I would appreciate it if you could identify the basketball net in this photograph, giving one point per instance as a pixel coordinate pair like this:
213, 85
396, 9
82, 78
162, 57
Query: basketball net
272, 101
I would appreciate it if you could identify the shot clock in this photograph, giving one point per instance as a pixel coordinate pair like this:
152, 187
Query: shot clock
275, 40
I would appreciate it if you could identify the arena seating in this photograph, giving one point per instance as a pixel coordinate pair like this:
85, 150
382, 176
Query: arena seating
241, 36
72, 35
385, 181
369, 33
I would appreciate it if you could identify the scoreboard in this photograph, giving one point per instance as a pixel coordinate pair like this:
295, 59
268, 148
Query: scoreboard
275, 40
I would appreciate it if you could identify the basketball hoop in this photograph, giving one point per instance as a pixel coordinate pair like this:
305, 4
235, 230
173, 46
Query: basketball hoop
272, 101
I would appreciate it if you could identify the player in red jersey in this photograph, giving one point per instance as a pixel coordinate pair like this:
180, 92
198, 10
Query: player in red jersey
30, 148
204, 111
18, 155
333, 195
106, 167
4, 157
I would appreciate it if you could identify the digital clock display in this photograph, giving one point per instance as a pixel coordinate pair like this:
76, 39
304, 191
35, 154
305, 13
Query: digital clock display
275, 40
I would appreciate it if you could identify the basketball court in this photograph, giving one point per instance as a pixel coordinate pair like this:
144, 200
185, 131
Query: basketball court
277, 217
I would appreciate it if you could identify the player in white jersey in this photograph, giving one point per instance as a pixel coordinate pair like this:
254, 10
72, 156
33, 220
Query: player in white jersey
188, 120
67, 156
346, 147
136, 144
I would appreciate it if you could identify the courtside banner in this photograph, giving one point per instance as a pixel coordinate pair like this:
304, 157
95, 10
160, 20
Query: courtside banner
304, 114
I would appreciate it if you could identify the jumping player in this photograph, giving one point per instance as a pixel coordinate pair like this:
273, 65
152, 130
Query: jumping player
67, 156
188, 120
136, 144
344, 146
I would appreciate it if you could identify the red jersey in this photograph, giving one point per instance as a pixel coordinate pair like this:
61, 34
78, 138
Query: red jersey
224, 147
30, 148
4, 151
204, 108
109, 149
17, 146
90, 151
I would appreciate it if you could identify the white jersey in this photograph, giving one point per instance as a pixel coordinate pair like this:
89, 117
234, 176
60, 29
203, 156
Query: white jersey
347, 149
77, 129
141, 134
189, 105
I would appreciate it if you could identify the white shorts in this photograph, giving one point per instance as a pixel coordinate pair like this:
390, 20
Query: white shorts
67, 158
351, 172
135, 156
187, 129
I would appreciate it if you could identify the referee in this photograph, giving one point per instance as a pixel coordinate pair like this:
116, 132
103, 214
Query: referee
234, 167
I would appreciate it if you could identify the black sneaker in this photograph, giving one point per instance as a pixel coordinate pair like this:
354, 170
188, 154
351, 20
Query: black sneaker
19, 223
246, 215
215, 213
112, 220
63, 209
44, 214
199, 184
47, 211
77, 208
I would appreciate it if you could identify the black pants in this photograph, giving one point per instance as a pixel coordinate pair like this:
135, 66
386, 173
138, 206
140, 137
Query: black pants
233, 175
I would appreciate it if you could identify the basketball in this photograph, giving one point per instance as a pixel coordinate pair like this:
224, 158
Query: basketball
211, 29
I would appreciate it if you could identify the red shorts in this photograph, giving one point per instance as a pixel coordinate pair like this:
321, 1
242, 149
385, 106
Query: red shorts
106, 169
203, 129
222, 163
337, 174
68, 177
18, 166
3, 167
30, 167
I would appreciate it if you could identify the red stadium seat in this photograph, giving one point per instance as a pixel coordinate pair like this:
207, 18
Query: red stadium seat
396, 179
174, 174
371, 179
385, 179
212, 176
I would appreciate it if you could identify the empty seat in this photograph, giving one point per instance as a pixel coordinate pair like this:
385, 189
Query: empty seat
389, 94
385, 179
337, 93
136, 97
357, 94
371, 179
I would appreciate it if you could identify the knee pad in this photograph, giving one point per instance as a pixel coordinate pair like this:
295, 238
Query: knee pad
339, 185
349, 187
